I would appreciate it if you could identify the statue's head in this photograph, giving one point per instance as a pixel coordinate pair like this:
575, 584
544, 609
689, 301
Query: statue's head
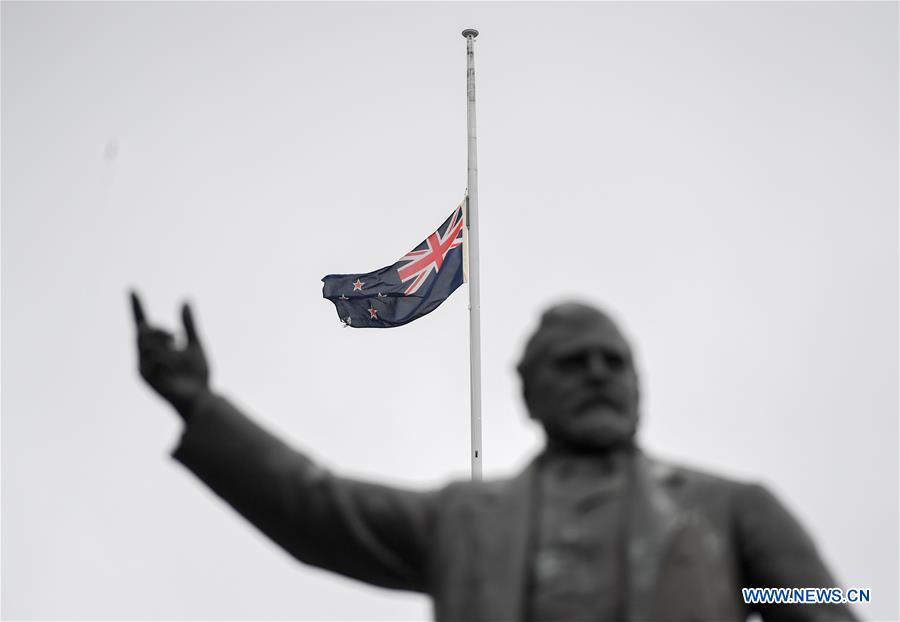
579, 379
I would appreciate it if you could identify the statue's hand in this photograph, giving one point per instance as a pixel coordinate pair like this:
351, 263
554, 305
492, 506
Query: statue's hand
180, 375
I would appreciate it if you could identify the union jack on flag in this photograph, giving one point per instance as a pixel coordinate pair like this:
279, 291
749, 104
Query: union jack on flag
429, 256
406, 290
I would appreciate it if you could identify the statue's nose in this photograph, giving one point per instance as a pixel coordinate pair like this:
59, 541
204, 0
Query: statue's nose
597, 366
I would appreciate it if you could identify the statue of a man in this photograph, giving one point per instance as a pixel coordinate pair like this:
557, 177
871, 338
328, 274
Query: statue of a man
592, 529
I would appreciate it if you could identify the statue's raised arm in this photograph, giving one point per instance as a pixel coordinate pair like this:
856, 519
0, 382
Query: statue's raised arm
369, 532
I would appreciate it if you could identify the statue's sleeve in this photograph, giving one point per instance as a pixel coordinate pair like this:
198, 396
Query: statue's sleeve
369, 532
776, 551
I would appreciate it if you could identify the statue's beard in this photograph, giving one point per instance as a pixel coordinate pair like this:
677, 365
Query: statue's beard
598, 426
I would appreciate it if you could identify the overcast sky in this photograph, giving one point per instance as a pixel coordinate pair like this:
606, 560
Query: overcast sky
721, 177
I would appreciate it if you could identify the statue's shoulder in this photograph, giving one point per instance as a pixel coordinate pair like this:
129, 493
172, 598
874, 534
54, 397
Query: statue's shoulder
469, 492
692, 477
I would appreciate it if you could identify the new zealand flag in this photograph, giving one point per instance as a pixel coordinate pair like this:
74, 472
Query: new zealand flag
398, 294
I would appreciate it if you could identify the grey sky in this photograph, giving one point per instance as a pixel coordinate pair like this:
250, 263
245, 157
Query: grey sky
722, 176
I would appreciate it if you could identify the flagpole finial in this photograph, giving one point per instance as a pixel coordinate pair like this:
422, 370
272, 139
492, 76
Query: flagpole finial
470, 32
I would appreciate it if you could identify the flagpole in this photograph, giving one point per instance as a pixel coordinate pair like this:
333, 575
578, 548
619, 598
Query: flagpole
472, 248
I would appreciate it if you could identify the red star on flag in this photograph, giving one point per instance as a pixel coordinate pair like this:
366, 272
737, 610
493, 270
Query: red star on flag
373, 313
357, 285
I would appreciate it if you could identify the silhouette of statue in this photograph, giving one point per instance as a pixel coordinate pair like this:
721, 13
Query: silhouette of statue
592, 529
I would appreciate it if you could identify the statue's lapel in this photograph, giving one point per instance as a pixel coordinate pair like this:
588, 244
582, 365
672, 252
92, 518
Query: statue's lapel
505, 545
653, 520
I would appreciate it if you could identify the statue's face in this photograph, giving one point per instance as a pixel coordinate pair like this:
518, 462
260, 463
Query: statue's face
581, 383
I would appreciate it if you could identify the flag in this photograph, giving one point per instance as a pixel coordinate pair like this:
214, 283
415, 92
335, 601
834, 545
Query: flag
405, 291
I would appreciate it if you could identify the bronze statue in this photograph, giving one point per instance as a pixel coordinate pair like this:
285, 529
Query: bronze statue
592, 529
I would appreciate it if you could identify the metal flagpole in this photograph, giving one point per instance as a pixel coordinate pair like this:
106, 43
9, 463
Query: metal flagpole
472, 248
